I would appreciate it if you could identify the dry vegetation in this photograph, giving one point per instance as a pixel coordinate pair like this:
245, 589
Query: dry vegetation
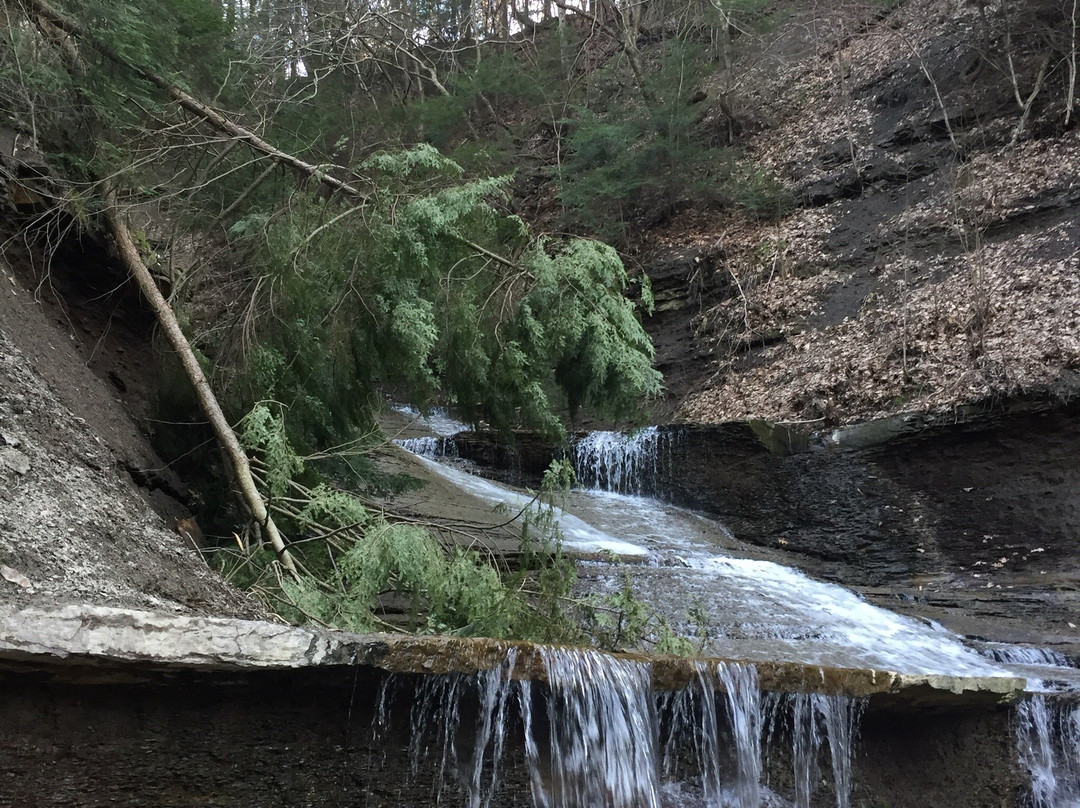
1002, 321
959, 284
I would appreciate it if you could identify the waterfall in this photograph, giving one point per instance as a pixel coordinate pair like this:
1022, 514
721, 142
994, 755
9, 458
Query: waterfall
1048, 743
754, 609
603, 734
431, 448
1024, 655
438, 445
438, 420
598, 735
814, 722
626, 463
743, 705
719, 762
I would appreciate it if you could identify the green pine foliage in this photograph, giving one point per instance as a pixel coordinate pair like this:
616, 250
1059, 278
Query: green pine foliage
427, 286
631, 158
83, 109
354, 557
432, 291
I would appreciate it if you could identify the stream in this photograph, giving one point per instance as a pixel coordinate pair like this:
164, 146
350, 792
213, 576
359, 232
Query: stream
611, 741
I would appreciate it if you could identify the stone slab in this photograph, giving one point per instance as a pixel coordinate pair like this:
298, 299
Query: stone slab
128, 639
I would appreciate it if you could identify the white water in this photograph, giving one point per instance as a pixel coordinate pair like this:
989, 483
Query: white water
437, 421
428, 447
635, 463
603, 734
723, 772
816, 723
1024, 655
598, 736
755, 609
576, 533
1048, 743
751, 609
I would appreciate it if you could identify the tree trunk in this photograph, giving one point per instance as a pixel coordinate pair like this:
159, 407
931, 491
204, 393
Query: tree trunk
227, 439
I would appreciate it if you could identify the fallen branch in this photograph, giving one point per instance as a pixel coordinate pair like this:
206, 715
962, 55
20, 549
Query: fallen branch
226, 438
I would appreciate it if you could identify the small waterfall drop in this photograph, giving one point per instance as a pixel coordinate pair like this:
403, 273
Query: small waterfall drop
743, 702
598, 735
814, 722
438, 420
603, 734
431, 448
1025, 655
1048, 744
636, 463
722, 761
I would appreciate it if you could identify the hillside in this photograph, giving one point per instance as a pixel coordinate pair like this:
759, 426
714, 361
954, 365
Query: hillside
89, 513
931, 258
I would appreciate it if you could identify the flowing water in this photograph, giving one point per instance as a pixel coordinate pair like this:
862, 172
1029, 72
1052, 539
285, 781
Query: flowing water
1048, 743
637, 463
609, 744
597, 735
744, 608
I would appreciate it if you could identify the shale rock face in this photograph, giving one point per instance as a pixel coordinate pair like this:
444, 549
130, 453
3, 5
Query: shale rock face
79, 483
929, 253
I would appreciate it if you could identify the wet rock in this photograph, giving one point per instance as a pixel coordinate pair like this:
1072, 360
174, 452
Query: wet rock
124, 636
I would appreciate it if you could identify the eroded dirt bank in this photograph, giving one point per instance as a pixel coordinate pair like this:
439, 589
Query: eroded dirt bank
88, 511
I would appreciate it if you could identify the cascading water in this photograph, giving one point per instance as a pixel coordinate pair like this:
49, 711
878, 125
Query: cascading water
1048, 744
753, 609
597, 735
636, 463
692, 729
440, 444
1025, 655
429, 447
456, 730
603, 734
438, 421
813, 723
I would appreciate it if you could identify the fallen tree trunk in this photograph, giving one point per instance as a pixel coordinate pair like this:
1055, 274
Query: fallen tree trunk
227, 439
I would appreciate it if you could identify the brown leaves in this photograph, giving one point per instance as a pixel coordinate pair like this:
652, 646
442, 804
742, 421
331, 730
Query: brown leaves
1001, 320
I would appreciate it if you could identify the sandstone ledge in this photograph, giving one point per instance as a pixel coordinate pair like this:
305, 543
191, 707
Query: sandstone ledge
127, 642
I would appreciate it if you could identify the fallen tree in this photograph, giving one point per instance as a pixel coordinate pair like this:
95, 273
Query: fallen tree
166, 317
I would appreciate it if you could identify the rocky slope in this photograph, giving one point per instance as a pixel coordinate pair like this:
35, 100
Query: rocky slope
933, 254
88, 512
